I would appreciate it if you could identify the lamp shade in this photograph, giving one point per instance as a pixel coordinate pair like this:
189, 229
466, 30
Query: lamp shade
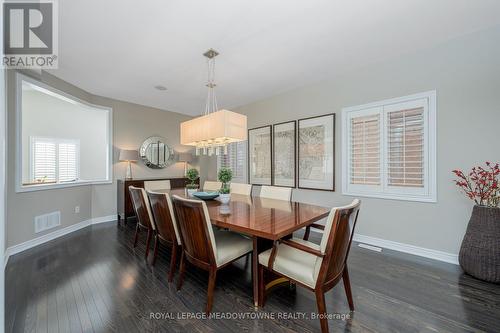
185, 157
221, 127
128, 155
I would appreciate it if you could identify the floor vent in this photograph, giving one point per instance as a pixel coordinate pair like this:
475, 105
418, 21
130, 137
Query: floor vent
370, 247
47, 221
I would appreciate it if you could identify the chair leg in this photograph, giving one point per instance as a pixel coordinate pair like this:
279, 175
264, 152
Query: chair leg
155, 249
148, 240
210, 290
173, 262
182, 269
347, 287
262, 287
320, 300
136, 237
307, 232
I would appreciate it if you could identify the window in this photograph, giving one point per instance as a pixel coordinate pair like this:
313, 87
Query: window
61, 141
54, 160
235, 159
389, 148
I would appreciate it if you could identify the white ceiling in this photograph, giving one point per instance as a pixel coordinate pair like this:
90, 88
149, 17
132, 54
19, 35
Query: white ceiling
123, 48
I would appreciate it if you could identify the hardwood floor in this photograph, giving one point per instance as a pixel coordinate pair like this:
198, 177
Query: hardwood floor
93, 281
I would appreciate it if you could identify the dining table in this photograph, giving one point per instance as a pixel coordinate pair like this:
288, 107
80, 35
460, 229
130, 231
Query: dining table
262, 219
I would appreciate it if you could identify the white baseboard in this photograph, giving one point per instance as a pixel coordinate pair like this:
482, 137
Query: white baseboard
406, 248
55, 234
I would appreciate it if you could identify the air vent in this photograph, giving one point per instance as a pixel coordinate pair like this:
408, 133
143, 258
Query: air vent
47, 221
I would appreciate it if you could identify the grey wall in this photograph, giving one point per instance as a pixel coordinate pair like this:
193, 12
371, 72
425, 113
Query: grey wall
131, 125
466, 74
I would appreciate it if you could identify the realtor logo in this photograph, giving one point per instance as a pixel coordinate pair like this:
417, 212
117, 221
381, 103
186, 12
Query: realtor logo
30, 39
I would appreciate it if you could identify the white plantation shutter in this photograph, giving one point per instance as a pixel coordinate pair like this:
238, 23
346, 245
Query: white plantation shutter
54, 160
68, 162
406, 148
234, 159
389, 149
44, 161
365, 150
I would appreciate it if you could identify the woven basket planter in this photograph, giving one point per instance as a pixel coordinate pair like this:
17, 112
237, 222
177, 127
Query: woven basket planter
480, 251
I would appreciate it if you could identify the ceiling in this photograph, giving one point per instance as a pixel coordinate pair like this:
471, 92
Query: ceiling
122, 48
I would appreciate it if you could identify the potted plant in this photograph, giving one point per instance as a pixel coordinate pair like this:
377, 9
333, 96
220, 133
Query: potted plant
480, 250
192, 175
225, 175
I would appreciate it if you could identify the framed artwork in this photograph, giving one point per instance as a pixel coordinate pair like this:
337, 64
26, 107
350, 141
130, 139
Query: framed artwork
316, 153
260, 155
284, 154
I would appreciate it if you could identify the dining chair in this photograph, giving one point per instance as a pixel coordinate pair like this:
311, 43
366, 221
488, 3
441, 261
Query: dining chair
316, 267
209, 185
154, 185
166, 227
202, 246
275, 192
140, 202
240, 188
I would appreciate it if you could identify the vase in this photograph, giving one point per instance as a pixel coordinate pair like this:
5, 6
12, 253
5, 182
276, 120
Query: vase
225, 198
191, 191
480, 251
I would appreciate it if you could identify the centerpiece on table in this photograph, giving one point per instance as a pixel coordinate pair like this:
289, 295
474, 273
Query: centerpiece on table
480, 251
225, 175
192, 175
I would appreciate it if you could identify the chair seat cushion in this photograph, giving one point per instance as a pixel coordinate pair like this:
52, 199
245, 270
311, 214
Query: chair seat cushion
293, 263
230, 246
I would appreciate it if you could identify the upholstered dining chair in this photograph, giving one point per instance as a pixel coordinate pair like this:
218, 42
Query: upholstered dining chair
140, 202
202, 246
275, 192
165, 226
154, 185
316, 267
240, 188
209, 185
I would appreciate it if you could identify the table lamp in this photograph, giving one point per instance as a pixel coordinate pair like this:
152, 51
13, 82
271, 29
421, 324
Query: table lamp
128, 156
186, 158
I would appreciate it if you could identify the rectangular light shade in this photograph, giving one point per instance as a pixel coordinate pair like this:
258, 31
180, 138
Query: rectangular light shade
128, 155
185, 157
222, 126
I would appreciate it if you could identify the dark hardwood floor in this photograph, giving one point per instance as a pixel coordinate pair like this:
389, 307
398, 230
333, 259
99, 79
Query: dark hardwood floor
93, 281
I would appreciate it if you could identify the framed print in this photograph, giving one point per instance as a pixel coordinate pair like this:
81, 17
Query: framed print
260, 156
284, 156
316, 153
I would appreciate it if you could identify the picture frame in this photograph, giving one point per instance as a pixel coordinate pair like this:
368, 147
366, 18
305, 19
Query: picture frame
260, 155
316, 153
284, 164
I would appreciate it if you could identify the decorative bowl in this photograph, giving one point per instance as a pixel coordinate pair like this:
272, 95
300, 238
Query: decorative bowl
206, 195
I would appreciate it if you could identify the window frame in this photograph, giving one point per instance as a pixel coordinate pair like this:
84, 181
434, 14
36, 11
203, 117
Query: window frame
57, 142
426, 194
243, 178
20, 78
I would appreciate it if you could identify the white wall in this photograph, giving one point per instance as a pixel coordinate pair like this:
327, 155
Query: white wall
44, 115
466, 74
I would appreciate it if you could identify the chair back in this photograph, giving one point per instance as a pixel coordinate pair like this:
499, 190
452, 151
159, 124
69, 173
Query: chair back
209, 185
240, 188
163, 214
336, 240
142, 209
275, 192
195, 229
153, 185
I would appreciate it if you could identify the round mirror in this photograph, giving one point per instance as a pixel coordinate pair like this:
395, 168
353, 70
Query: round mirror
155, 153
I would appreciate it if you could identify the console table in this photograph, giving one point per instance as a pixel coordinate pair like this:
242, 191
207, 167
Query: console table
124, 204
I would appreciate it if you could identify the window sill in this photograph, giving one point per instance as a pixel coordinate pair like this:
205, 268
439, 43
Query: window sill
53, 186
388, 196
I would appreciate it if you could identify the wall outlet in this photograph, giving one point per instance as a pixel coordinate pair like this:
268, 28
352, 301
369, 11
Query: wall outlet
77, 209
47, 221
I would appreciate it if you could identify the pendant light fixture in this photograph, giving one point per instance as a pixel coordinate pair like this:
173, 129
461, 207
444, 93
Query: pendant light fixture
214, 129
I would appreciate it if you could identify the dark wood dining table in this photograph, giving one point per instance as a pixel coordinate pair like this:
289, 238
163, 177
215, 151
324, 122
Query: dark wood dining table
264, 220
